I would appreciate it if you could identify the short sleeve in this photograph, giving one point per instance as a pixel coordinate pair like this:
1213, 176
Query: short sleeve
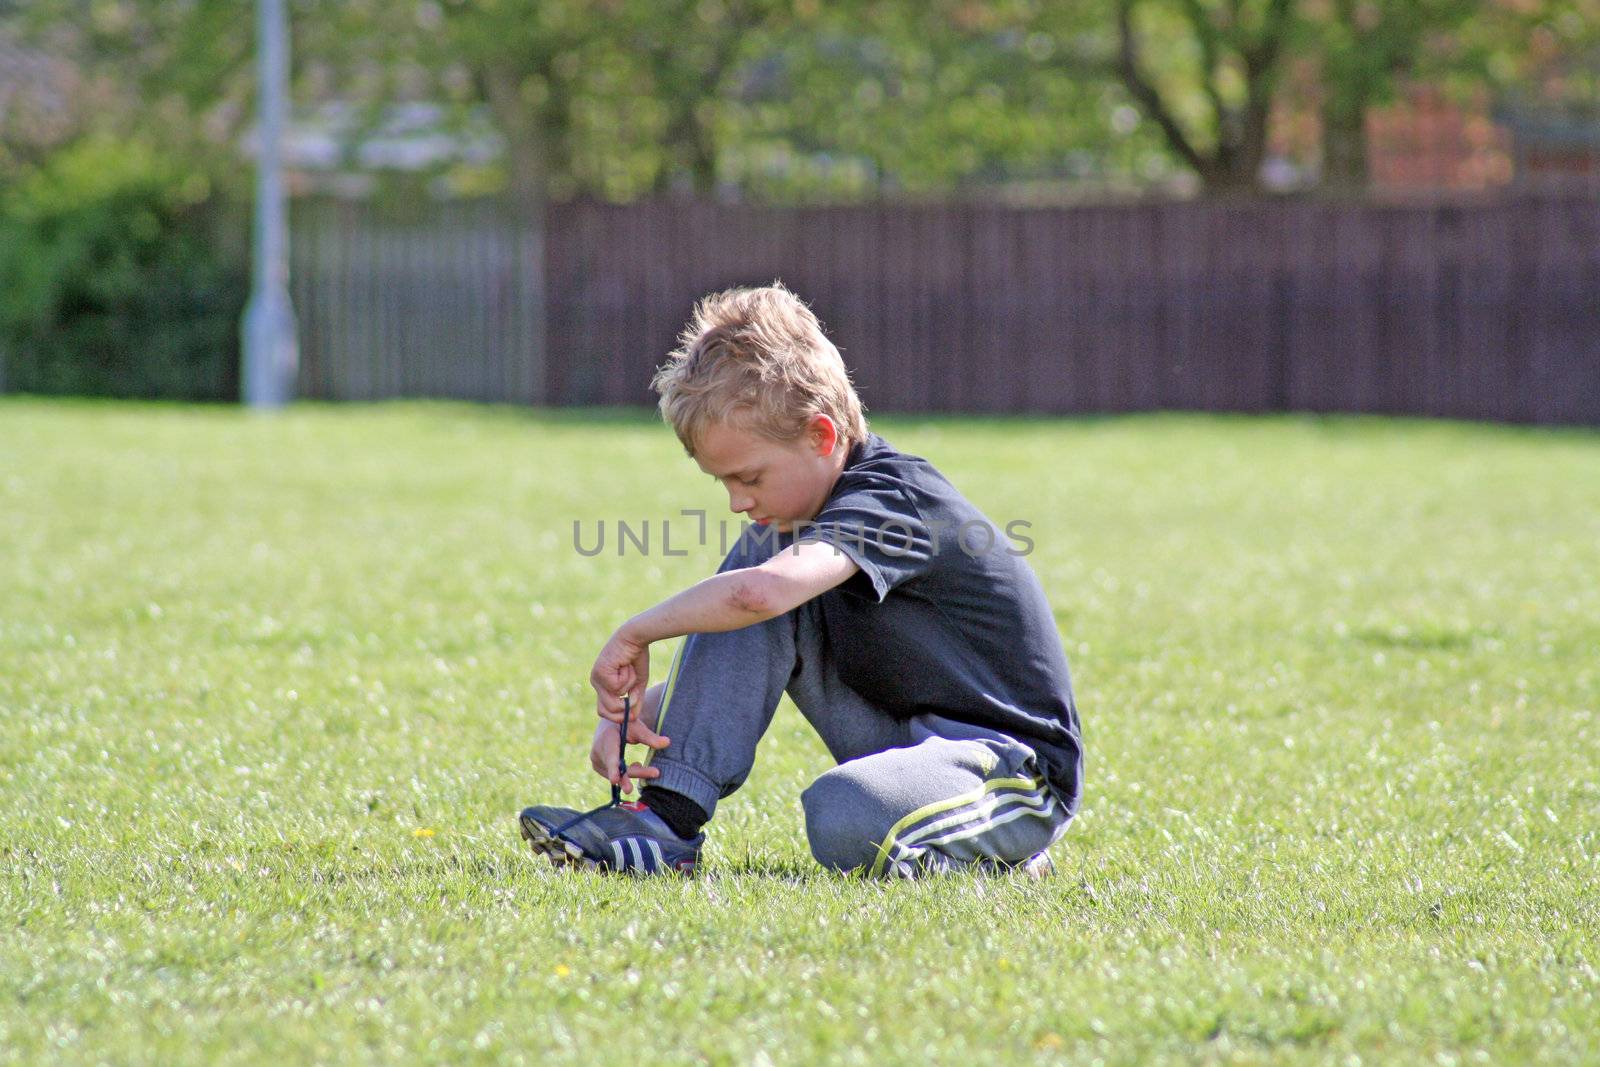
873, 522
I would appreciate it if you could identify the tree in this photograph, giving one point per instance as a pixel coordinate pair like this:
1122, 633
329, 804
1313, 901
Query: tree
1211, 98
526, 62
182, 75
1220, 66
806, 98
694, 52
611, 98
1365, 49
895, 97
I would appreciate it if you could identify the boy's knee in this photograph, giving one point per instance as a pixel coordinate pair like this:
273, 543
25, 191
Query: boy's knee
843, 826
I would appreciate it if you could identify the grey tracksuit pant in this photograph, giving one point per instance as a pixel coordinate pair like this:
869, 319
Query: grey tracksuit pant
907, 796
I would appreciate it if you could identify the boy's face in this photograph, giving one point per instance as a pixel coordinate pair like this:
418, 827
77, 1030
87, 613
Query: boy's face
782, 483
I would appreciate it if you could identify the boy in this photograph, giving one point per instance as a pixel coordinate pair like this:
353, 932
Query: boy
911, 635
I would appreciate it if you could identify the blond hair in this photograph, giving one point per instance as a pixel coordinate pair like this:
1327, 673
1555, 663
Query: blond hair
756, 359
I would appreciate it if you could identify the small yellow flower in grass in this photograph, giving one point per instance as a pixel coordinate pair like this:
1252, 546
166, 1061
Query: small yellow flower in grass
562, 970
422, 831
1049, 1042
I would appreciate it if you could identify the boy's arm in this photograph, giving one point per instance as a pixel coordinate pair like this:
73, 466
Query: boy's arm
727, 601
735, 599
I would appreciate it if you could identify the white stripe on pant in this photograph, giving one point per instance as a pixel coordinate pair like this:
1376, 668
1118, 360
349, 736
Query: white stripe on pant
993, 811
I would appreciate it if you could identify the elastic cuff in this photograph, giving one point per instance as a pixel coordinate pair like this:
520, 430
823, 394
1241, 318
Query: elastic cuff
682, 778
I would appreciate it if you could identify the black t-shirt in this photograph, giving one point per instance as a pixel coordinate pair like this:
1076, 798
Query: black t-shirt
945, 615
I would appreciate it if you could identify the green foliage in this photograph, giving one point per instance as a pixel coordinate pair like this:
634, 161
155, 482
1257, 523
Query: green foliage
113, 282
272, 690
799, 99
887, 99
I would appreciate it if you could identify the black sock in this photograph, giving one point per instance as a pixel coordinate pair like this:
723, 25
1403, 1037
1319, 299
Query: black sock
683, 815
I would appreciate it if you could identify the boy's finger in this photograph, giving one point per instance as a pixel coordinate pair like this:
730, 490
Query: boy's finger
639, 770
646, 736
611, 687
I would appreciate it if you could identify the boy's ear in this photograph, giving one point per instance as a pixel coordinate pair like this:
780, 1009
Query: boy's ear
824, 435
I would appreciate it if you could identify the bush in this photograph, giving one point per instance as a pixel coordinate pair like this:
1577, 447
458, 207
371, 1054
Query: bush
113, 281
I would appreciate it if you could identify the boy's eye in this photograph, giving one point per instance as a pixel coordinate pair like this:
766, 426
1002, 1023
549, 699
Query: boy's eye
750, 483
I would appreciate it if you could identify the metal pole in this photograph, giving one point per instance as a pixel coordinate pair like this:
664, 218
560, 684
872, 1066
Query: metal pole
271, 357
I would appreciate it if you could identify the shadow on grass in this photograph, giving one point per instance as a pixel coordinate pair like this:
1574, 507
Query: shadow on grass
453, 868
1423, 638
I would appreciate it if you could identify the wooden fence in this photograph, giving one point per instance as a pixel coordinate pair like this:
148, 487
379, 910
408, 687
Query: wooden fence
441, 302
1482, 310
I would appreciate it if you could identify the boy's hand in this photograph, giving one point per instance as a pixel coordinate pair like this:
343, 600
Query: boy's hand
623, 667
603, 753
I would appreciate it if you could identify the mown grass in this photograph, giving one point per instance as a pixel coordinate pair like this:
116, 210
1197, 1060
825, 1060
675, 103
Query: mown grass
272, 689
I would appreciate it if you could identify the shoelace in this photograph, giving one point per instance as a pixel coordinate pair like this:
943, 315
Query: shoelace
616, 789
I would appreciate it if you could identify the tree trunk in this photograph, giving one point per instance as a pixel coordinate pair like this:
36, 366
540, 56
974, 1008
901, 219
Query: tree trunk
527, 143
528, 160
703, 158
1230, 179
1344, 148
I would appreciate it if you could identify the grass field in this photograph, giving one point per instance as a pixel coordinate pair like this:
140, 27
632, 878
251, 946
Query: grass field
272, 690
